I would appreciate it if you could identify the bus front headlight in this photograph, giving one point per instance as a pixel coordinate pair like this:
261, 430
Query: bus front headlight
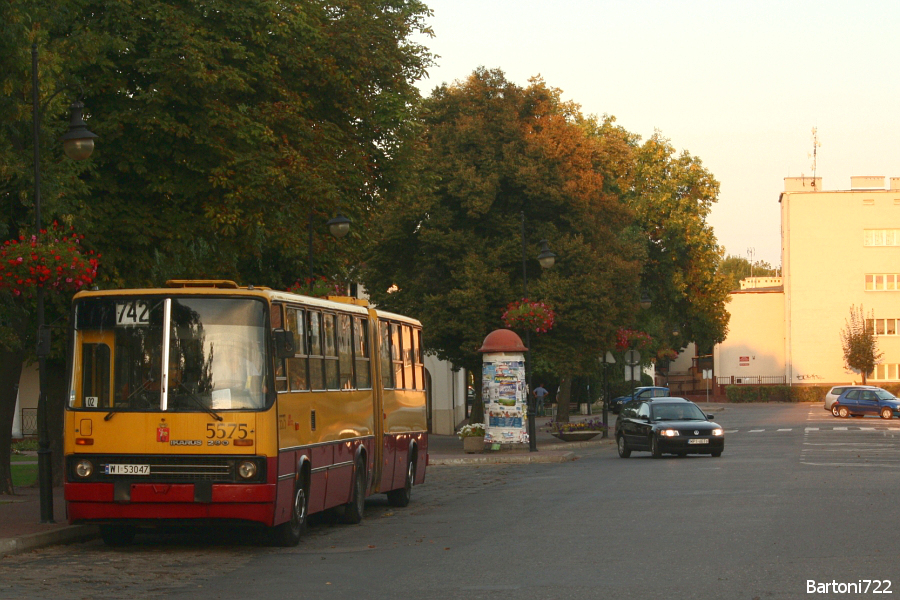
84, 468
247, 469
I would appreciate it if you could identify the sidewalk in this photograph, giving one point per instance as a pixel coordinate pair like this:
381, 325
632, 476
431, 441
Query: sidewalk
20, 515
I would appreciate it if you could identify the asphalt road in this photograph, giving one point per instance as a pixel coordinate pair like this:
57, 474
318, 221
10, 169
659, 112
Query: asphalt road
797, 496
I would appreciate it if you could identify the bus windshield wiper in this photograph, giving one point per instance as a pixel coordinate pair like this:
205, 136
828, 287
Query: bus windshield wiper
127, 402
199, 402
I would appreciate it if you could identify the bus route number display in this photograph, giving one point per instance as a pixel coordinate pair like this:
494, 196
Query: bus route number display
133, 314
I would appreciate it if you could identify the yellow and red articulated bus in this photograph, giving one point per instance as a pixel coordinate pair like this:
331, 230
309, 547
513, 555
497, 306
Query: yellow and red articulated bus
207, 402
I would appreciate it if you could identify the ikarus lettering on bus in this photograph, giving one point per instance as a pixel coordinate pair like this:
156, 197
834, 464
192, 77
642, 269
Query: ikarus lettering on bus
185, 443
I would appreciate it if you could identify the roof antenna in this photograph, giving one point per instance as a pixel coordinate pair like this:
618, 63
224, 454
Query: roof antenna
816, 146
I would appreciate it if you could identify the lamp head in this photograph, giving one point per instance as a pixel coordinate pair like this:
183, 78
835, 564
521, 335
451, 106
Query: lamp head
339, 226
78, 142
546, 257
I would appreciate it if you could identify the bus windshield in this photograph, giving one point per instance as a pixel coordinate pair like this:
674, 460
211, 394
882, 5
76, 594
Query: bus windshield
210, 351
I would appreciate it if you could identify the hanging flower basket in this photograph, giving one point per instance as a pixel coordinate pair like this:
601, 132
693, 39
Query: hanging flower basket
321, 287
667, 354
53, 260
529, 315
630, 339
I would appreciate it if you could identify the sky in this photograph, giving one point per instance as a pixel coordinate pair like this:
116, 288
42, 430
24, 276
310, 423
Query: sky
740, 85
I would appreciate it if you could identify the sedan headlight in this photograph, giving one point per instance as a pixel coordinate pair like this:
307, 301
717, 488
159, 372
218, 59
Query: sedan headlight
718, 431
668, 432
247, 469
84, 468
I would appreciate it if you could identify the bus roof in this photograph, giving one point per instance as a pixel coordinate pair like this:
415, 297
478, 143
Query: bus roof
218, 287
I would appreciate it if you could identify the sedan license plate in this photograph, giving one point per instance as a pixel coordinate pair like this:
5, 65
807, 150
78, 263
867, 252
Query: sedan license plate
127, 469
698, 441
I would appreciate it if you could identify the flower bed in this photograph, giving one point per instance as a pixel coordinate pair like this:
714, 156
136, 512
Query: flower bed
321, 287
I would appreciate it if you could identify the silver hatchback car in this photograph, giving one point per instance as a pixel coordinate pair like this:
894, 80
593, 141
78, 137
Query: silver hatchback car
836, 391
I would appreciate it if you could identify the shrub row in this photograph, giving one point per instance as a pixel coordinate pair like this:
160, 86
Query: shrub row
787, 393
775, 393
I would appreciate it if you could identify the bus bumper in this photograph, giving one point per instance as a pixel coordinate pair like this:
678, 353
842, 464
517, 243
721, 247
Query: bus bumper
99, 502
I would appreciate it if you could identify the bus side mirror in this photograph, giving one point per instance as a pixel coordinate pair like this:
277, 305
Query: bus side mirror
284, 343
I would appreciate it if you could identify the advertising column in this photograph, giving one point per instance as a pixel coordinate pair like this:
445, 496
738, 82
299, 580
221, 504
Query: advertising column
504, 389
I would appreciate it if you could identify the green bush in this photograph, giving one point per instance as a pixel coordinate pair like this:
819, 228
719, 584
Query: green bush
775, 393
25, 445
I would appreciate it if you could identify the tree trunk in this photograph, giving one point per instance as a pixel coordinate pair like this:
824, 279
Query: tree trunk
10, 371
477, 414
562, 398
56, 407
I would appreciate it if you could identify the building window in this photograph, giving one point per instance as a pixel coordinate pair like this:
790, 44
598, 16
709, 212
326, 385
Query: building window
883, 326
886, 372
882, 282
881, 237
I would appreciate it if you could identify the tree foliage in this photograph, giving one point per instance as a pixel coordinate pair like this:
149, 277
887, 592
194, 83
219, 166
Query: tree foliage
672, 195
858, 342
225, 127
735, 268
493, 152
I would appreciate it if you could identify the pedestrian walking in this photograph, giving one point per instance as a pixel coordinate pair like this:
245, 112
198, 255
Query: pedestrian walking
540, 393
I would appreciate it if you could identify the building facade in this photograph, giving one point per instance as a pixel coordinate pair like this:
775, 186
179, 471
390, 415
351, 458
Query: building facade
840, 249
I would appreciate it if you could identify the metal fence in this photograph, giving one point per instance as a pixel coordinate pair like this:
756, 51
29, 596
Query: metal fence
752, 380
29, 421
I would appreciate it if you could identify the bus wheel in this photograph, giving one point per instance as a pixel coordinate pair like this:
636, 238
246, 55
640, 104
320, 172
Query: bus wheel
289, 533
400, 497
117, 535
353, 510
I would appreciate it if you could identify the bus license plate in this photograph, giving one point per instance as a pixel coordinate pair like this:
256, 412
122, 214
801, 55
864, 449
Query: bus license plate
127, 469
698, 441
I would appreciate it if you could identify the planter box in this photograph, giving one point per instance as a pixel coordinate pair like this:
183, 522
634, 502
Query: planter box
576, 436
473, 444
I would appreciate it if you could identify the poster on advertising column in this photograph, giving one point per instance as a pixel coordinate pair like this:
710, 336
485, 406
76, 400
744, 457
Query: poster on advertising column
505, 398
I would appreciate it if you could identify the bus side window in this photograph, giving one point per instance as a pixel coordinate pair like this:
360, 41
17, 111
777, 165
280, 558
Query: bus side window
332, 381
297, 367
95, 376
361, 353
418, 358
384, 332
345, 351
407, 345
277, 322
396, 358
316, 357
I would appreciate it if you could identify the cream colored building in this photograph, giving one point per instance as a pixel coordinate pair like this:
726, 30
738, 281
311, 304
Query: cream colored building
839, 249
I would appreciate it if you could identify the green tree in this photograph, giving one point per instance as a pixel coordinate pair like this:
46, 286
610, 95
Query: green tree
452, 255
222, 128
672, 196
735, 268
858, 342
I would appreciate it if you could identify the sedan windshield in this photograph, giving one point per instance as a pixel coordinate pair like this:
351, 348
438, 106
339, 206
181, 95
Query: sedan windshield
681, 411
884, 395
214, 349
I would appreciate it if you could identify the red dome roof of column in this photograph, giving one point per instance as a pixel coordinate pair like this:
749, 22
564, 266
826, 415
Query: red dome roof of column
502, 340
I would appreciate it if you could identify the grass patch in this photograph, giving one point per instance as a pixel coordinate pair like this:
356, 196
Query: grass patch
24, 475
27, 444
21, 458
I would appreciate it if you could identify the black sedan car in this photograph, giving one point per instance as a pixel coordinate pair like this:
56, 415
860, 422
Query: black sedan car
667, 426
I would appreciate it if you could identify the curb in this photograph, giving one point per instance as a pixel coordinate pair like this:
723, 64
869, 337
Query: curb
508, 458
63, 535
557, 453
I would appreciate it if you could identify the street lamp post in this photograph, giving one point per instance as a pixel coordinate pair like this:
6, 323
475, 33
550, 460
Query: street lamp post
78, 143
608, 359
338, 226
547, 259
